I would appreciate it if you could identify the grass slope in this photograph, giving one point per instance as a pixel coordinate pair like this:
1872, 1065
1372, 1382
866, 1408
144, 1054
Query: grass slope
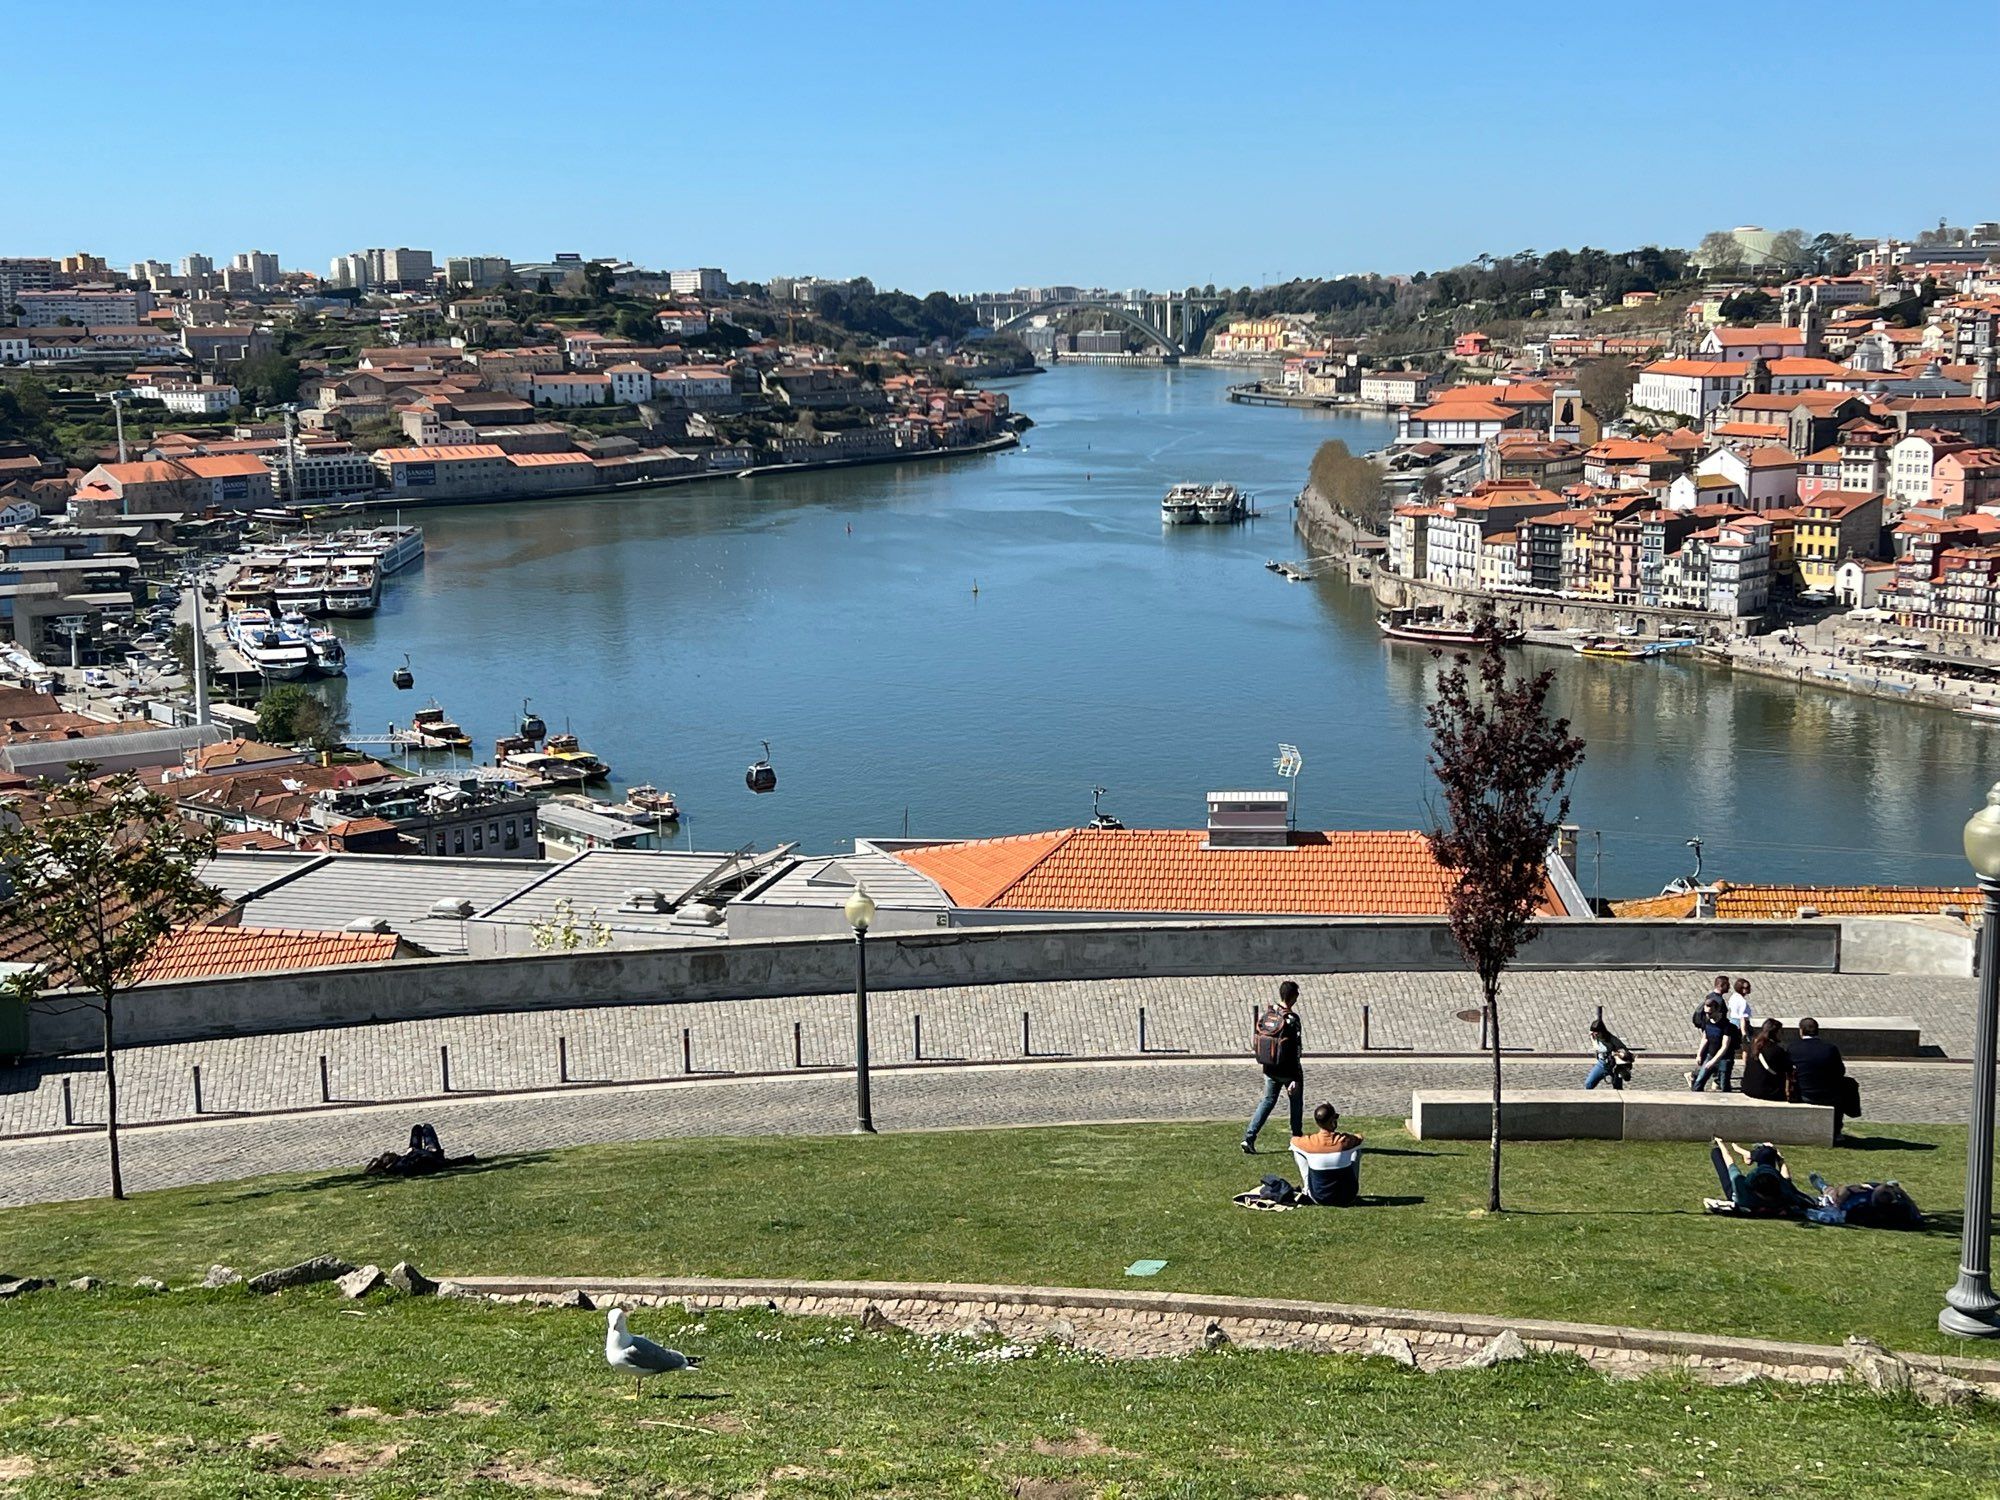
1597, 1232
197, 1394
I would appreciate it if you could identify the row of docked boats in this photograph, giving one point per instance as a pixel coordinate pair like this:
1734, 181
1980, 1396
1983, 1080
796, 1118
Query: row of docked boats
544, 762
339, 573
1204, 504
285, 647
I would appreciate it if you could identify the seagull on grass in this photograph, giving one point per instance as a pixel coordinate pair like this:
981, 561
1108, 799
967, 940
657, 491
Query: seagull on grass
625, 1350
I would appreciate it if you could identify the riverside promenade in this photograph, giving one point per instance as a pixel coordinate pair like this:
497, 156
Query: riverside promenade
739, 1067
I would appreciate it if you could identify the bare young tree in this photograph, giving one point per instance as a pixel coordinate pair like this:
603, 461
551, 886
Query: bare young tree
101, 873
1503, 766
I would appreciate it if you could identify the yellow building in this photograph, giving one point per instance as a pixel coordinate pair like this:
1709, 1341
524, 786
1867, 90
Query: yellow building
1831, 526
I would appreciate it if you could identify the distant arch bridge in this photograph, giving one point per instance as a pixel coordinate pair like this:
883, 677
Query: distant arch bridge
1172, 323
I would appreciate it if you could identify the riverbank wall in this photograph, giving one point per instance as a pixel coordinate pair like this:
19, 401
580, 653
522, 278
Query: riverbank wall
997, 444
1335, 538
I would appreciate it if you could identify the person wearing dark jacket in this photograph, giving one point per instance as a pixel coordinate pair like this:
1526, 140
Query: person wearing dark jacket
1719, 1041
1820, 1073
1284, 1071
1767, 1074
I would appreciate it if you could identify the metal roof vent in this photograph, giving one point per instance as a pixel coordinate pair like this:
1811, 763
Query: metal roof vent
456, 908
1249, 820
1807, 913
644, 898
699, 914
368, 924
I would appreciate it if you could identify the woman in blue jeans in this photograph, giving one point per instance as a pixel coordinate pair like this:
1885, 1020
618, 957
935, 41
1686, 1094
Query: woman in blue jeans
1614, 1058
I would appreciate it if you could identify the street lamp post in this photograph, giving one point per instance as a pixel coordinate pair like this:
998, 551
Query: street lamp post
860, 912
1973, 1311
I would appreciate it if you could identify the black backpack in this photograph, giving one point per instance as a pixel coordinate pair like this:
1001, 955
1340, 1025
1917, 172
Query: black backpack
1277, 1042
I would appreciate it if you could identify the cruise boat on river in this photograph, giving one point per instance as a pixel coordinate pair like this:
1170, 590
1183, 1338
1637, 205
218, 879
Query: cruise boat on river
392, 548
354, 587
1182, 505
302, 589
274, 651
1210, 504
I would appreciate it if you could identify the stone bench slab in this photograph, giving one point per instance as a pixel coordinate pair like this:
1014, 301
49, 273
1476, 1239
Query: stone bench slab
1863, 1036
1604, 1115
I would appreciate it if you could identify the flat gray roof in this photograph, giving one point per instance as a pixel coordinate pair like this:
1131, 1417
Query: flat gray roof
401, 888
238, 873
595, 884
823, 880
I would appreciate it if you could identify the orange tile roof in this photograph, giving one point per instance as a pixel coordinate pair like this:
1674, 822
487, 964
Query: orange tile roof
1340, 873
210, 952
1749, 903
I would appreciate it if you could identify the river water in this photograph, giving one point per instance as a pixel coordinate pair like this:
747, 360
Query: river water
965, 647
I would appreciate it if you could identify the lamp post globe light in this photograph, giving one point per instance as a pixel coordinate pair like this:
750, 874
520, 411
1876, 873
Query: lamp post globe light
860, 911
1972, 1310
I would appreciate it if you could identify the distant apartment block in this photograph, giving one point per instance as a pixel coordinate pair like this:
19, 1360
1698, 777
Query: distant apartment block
703, 281
47, 309
477, 272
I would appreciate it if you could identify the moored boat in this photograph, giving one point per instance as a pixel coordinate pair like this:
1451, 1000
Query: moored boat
435, 731
566, 749
1428, 625
1610, 650
1182, 505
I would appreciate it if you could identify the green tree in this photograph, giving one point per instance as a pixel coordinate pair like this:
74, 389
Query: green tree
1503, 766
103, 874
293, 715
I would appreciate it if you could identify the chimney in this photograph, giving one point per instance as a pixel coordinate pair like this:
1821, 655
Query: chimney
1983, 384
1249, 820
1704, 904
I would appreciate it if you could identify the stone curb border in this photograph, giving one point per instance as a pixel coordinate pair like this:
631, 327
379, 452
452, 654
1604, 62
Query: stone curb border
1141, 1324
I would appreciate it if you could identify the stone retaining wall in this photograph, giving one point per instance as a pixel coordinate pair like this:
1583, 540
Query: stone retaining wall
1143, 1325
750, 968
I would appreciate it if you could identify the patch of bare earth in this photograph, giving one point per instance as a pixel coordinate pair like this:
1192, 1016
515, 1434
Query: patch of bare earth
530, 1476
1048, 1489
343, 1461
1079, 1444
480, 1408
15, 1466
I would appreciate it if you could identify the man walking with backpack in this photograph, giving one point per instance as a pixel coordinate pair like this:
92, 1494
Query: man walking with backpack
1278, 1046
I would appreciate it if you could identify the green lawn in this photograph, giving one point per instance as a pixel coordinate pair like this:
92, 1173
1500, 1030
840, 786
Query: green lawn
1596, 1232
222, 1394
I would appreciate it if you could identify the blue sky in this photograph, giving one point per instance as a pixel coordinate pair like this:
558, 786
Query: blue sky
972, 146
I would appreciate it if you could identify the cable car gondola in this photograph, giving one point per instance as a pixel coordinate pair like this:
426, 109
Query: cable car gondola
760, 777
532, 727
403, 677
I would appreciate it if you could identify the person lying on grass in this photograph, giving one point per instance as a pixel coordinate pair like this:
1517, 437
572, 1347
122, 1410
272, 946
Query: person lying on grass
1762, 1183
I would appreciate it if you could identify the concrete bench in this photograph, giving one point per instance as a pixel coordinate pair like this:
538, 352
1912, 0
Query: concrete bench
1604, 1115
1861, 1036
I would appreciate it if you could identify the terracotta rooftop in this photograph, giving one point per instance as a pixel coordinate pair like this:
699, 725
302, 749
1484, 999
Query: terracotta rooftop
1340, 873
1746, 903
209, 952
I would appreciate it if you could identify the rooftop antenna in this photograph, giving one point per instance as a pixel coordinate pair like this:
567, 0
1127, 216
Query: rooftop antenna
1288, 765
1695, 844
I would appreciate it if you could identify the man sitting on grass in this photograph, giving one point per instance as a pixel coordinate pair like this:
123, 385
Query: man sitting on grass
1329, 1159
1762, 1185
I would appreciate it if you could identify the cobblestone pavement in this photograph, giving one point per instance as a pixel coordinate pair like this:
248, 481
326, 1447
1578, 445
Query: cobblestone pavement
1541, 1013
71, 1165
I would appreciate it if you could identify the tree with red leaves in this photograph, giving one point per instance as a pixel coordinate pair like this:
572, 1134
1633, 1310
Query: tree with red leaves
1503, 765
